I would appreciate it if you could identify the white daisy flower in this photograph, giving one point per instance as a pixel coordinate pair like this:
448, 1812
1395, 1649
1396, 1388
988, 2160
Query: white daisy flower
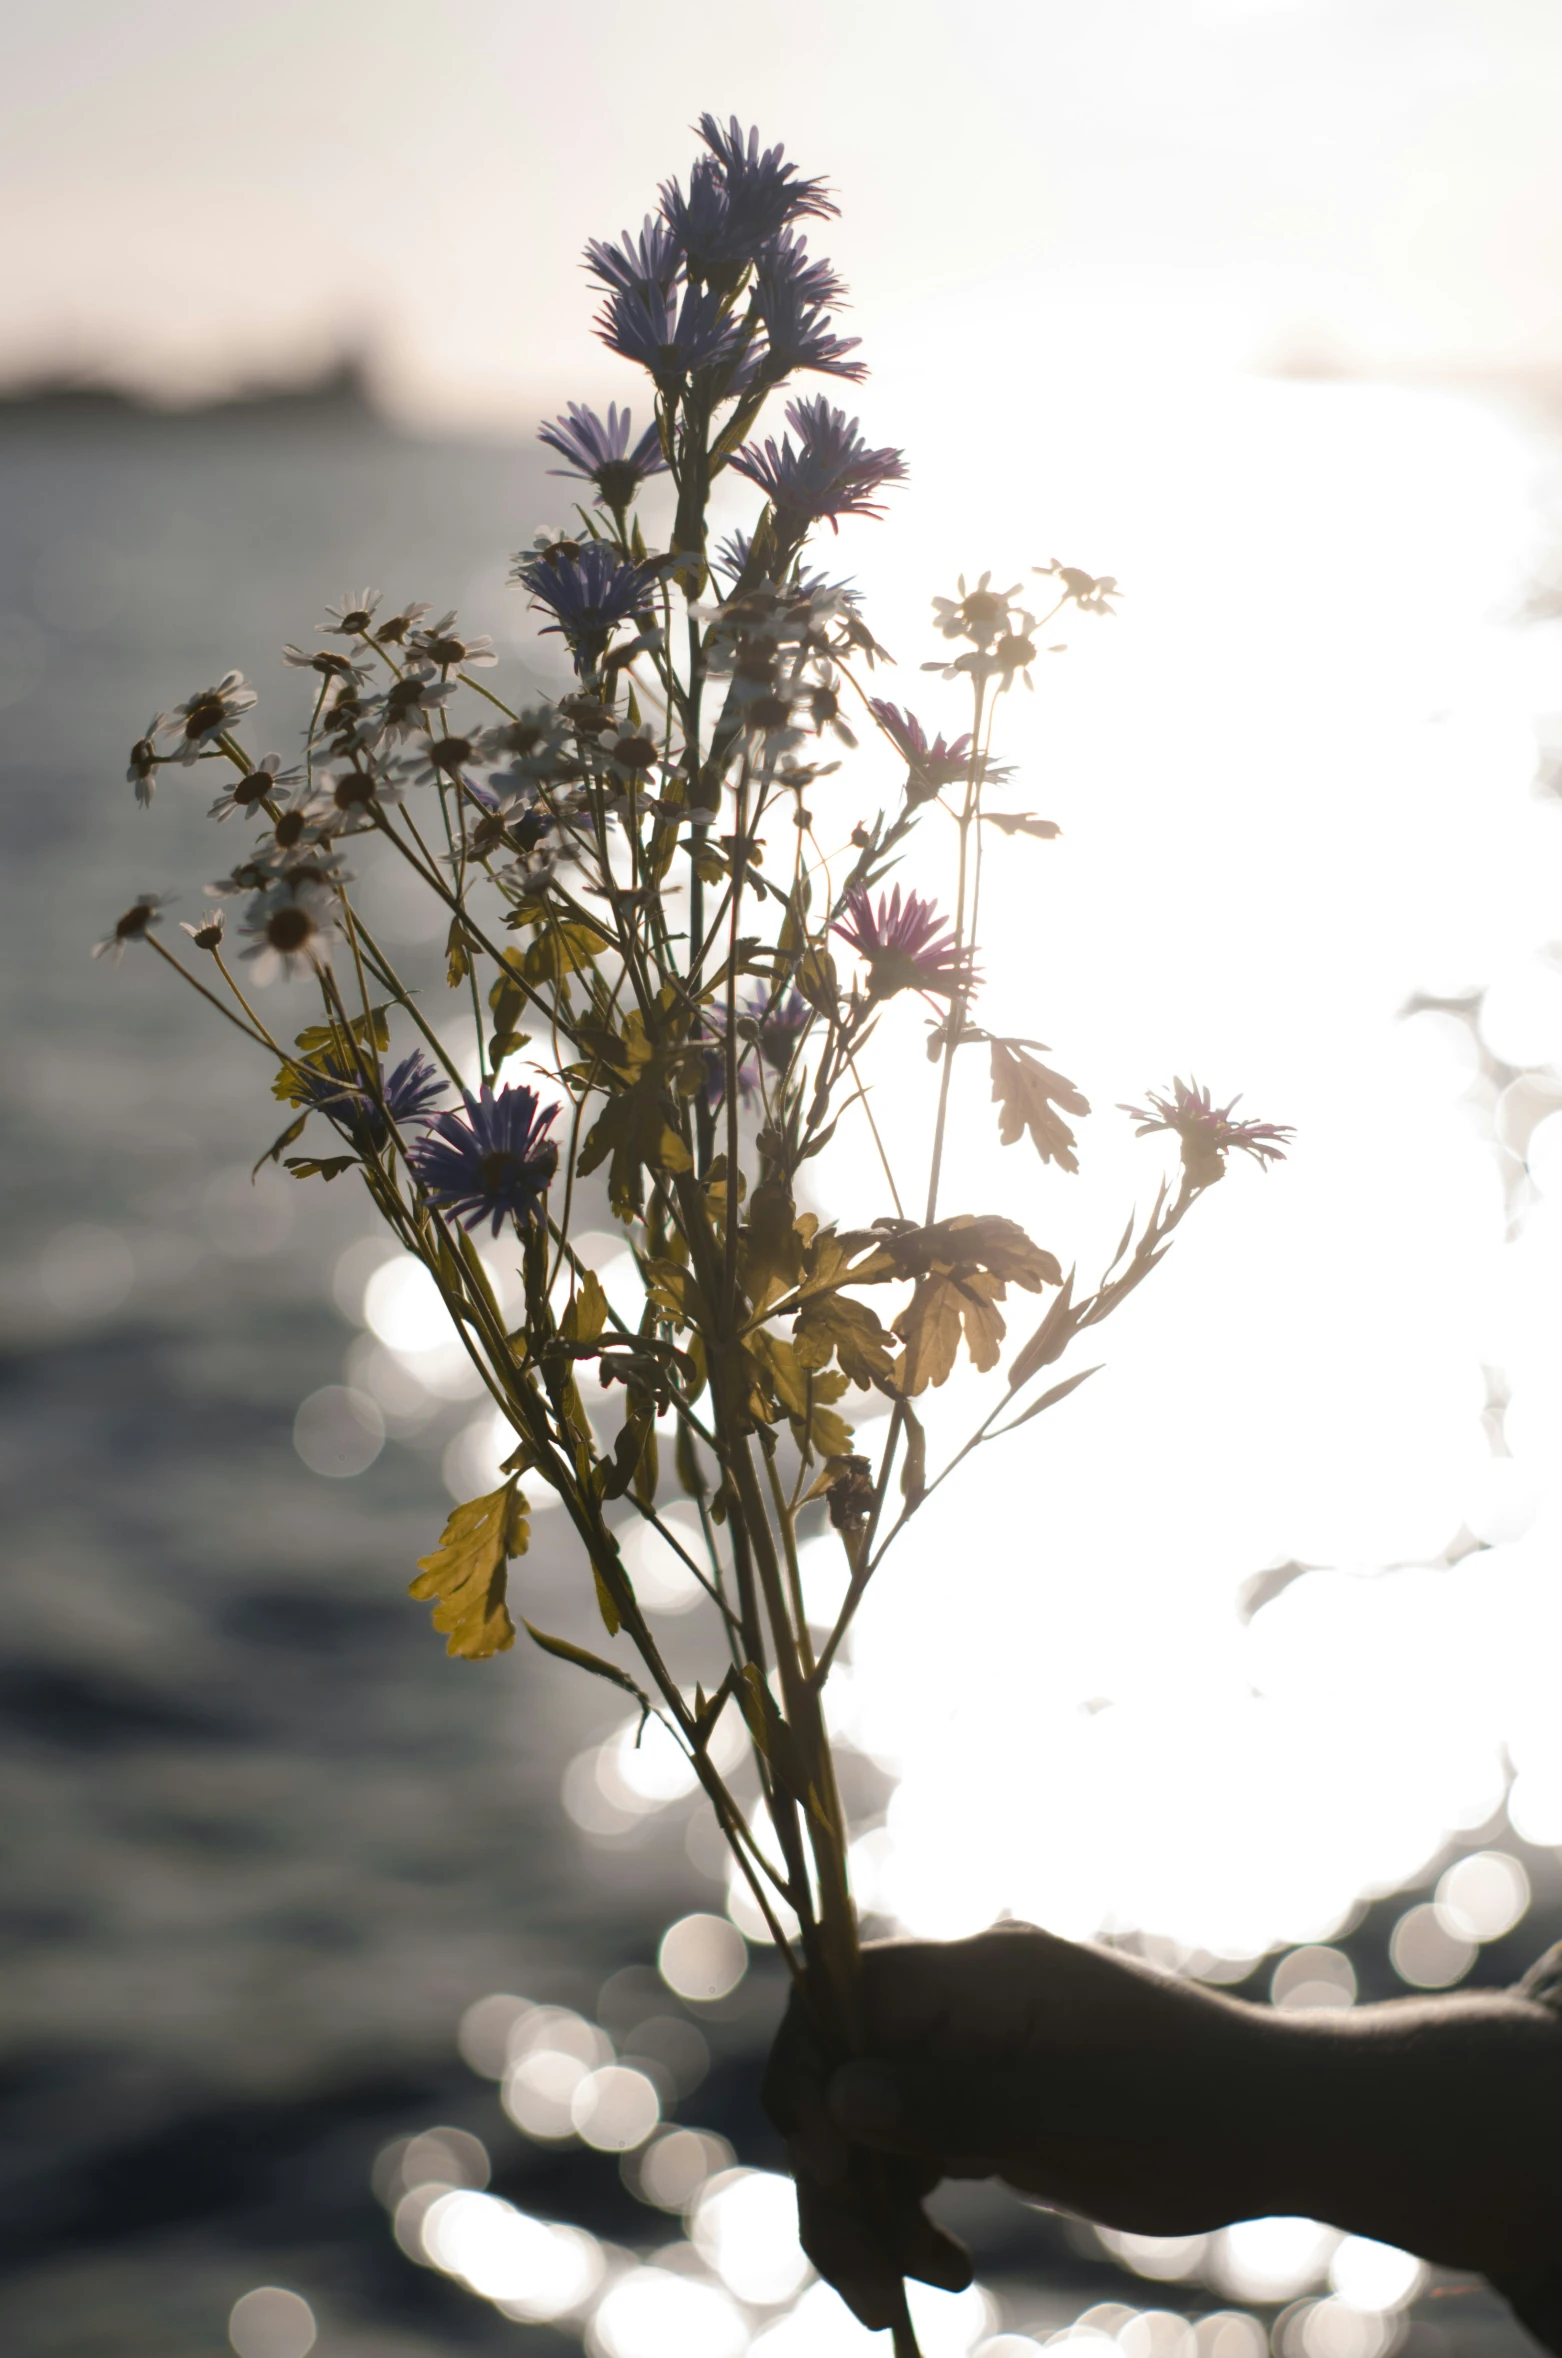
352, 616
134, 926
443, 644
250, 793
207, 715
291, 929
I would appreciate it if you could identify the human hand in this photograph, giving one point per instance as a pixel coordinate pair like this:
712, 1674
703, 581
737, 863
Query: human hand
1075, 2074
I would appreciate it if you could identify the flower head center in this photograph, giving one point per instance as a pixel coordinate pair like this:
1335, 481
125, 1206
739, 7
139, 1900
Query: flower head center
289, 929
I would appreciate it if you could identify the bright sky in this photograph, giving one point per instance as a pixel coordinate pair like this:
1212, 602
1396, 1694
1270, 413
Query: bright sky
199, 187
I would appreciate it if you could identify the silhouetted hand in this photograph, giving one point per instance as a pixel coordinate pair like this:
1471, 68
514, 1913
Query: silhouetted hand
1086, 2079
1075, 2074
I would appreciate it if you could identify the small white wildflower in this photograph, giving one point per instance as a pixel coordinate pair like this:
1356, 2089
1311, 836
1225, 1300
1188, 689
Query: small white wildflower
144, 758
134, 926
443, 644
291, 929
207, 715
207, 931
251, 792
352, 616
406, 703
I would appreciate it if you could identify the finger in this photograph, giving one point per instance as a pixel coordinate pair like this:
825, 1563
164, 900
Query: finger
796, 2072
816, 2149
865, 2236
937, 2109
850, 2252
923, 2249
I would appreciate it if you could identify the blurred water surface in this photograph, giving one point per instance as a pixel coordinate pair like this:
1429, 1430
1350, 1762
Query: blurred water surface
264, 1843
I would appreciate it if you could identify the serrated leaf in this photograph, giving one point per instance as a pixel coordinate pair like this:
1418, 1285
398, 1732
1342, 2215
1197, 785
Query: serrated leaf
376, 1024
770, 1245
632, 1134
832, 1323
305, 1166
586, 1316
1028, 1094
273, 1153
563, 949
564, 1651
466, 1573
935, 1317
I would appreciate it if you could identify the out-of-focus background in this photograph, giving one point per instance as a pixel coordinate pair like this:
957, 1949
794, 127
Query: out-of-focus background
311, 1936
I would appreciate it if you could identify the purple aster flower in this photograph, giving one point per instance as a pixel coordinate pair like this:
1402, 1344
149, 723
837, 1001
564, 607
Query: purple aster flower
600, 454
763, 191
491, 1160
933, 766
831, 475
711, 239
781, 1028
1207, 1131
798, 329
409, 1093
784, 261
778, 1031
669, 335
637, 265
589, 594
908, 947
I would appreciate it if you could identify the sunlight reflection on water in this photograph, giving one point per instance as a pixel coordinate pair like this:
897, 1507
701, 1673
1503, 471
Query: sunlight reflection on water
1296, 779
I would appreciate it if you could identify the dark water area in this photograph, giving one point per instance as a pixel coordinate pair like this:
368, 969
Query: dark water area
263, 1841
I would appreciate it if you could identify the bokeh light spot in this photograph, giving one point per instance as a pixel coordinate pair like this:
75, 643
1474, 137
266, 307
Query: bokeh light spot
1483, 1896
744, 2226
702, 1958
1313, 1977
1425, 1953
615, 2109
338, 1432
271, 2322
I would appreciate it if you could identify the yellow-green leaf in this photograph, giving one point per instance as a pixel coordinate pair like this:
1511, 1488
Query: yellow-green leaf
913, 1472
584, 1660
834, 1323
458, 963
605, 1605
562, 949
466, 1573
586, 1316
1028, 1094
376, 1024
753, 1697
931, 1323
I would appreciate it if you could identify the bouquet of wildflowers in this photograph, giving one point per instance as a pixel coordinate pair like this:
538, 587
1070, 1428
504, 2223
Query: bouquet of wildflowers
673, 971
